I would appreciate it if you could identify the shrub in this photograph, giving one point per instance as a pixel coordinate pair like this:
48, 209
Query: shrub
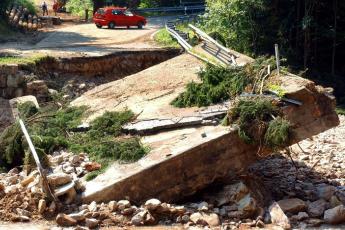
277, 134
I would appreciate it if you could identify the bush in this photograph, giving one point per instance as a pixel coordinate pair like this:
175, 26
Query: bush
218, 84
277, 134
77, 7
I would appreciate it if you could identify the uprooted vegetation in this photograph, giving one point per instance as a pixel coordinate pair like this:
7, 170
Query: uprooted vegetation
219, 84
260, 122
53, 128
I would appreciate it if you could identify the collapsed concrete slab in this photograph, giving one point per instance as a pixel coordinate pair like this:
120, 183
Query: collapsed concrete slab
183, 161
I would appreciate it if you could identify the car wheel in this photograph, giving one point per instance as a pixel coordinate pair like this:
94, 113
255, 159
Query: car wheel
99, 26
111, 25
140, 25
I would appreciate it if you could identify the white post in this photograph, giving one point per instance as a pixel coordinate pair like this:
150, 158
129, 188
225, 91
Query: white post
276, 48
46, 187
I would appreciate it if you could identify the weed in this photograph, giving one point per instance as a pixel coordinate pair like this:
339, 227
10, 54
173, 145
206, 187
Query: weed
277, 89
163, 38
32, 60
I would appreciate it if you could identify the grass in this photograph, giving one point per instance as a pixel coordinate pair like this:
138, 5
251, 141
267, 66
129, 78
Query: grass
163, 38
54, 130
23, 60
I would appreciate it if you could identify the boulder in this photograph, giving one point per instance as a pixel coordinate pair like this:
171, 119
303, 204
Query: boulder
325, 191
202, 218
317, 208
293, 205
335, 215
152, 204
112, 206
278, 216
122, 204
247, 205
139, 218
65, 221
58, 179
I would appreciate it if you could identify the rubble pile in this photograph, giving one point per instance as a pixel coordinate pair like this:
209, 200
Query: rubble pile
310, 190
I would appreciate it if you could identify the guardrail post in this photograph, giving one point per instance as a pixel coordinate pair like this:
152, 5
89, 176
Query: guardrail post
276, 48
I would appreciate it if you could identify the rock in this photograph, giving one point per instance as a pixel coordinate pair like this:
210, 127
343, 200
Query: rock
57, 160
313, 222
27, 180
334, 202
247, 205
52, 207
317, 208
13, 171
202, 206
278, 216
112, 206
325, 191
58, 179
22, 212
80, 216
91, 223
293, 205
12, 179
93, 206
11, 189
300, 216
21, 100
149, 219
92, 166
335, 215
42, 205
202, 218
122, 204
152, 204
139, 218
65, 221
231, 193
74, 159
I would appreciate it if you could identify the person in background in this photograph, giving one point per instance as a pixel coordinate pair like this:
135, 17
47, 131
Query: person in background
55, 7
44, 8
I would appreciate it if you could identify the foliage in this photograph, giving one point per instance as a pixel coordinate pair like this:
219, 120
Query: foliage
53, 130
78, 7
235, 22
256, 122
27, 109
277, 89
277, 134
220, 83
29, 4
163, 38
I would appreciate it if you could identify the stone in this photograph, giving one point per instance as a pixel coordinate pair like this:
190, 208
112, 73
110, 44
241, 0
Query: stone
152, 204
112, 206
12, 179
231, 193
335, 215
52, 207
325, 191
202, 218
80, 216
92, 166
317, 208
64, 220
278, 216
58, 179
21, 100
27, 180
247, 205
203, 206
92, 206
122, 204
293, 205
74, 159
91, 223
301, 216
42, 205
334, 202
14, 81
138, 219
149, 219
314, 222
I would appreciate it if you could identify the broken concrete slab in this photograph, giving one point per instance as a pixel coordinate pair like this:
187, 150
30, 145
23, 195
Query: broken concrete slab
184, 161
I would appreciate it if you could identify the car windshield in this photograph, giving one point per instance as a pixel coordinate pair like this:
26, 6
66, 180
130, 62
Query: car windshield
128, 13
100, 11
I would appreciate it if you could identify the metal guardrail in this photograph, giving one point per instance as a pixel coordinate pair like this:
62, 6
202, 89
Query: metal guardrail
213, 47
172, 9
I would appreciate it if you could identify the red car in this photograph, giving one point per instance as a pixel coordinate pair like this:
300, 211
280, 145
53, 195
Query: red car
116, 16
